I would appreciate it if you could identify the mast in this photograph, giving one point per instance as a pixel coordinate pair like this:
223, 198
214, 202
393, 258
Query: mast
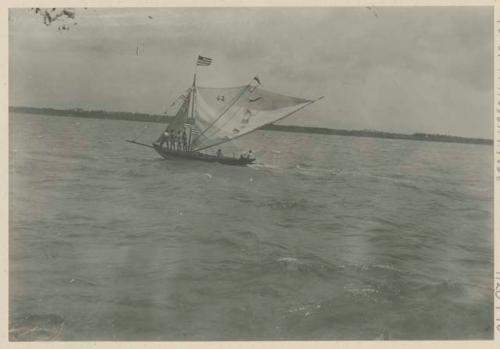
191, 116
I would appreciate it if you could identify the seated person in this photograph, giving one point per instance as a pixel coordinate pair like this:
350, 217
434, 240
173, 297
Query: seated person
248, 155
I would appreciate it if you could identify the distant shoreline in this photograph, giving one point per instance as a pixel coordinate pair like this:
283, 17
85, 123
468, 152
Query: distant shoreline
127, 116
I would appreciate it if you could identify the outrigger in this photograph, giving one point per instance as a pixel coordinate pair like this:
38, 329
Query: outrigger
206, 117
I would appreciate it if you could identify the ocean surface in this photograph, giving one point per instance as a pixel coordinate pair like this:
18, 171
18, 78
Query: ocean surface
327, 237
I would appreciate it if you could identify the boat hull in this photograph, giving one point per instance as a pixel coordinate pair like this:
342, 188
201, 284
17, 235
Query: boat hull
169, 154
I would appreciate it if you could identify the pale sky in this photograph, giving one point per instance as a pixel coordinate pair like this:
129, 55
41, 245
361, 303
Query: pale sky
396, 69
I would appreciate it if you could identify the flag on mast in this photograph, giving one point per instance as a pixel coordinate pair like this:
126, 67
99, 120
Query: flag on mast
204, 61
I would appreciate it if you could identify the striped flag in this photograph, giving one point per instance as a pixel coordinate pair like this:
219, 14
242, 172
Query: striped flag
204, 61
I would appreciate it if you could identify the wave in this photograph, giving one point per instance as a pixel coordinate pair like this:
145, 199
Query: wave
257, 166
288, 204
309, 265
36, 327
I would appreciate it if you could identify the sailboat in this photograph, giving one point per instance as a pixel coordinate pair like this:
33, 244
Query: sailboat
207, 117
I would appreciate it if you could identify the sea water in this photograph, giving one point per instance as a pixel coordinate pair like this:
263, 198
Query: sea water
326, 237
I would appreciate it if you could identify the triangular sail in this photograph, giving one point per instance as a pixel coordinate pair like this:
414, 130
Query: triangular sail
181, 116
175, 106
223, 114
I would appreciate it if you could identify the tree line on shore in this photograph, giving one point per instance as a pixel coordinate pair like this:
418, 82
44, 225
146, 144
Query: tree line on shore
144, 117
93, 114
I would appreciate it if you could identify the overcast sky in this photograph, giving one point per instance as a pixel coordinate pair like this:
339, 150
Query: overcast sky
393, 69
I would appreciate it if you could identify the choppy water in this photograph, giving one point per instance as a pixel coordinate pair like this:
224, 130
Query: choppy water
327, 238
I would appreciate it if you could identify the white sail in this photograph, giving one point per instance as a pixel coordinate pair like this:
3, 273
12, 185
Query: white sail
212, 116
223, 114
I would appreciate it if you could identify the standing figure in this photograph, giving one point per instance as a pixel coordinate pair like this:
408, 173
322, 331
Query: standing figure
165, 138
184, 140
169, 140
179, 140
172, 140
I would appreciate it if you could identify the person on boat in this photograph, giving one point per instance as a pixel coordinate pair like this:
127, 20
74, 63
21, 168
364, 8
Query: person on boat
165, 138
172, 140
184, 140
162, 139
219, 153
248, 155
179, 141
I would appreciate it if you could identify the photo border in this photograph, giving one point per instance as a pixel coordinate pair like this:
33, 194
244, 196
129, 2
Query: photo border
4, 170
